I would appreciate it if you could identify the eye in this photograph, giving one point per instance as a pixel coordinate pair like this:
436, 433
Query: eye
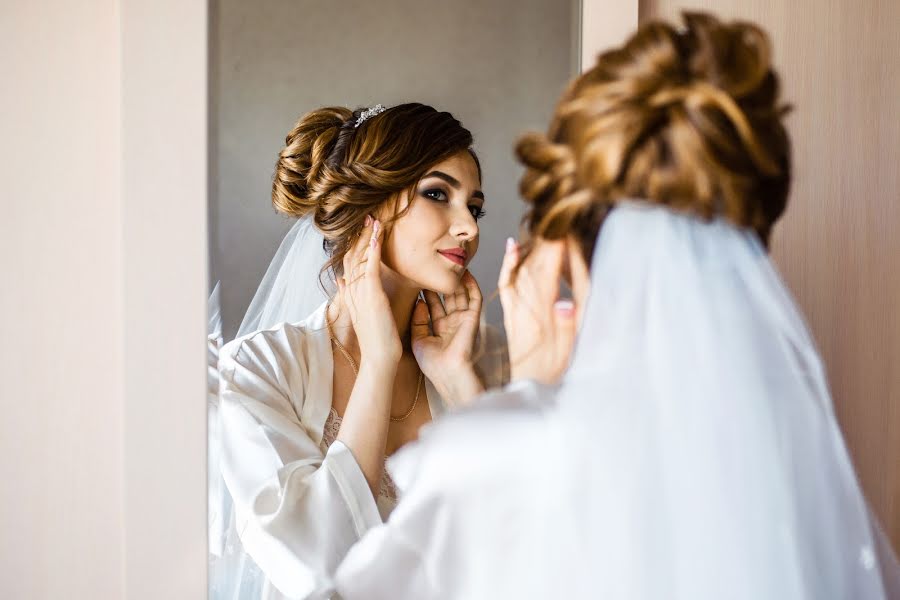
476, 211
436, 194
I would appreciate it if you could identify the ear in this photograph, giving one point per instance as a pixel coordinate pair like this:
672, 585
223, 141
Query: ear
579, 274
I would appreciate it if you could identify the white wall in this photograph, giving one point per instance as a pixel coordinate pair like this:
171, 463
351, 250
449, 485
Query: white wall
102, 300
498, 66
164, 192
60, 302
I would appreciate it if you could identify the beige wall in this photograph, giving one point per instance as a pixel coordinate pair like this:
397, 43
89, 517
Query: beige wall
163, 229
605, 24
60, 303
498, 66
102, 300
838, 246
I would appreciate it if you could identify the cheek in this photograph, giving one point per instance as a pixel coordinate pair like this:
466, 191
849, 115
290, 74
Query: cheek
411, 241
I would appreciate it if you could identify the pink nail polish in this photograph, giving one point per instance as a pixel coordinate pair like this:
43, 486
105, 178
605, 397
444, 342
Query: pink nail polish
566, 307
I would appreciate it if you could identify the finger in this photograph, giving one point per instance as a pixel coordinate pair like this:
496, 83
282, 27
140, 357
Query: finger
460, 295
419, 323
510, 259
451, 301
565, 326
373, 253
360, 244
435, 308
344, 297
472, 290
546, 267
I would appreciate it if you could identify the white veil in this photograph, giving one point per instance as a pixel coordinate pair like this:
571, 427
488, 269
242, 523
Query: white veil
290, 290
701, 445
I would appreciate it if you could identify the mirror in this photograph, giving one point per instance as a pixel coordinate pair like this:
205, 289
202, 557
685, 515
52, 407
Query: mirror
498, 67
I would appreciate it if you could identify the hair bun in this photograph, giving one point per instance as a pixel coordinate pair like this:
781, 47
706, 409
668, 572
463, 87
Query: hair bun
689, 118
304, 157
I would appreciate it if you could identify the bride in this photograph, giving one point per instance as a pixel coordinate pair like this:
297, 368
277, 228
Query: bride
688, 450
388, 202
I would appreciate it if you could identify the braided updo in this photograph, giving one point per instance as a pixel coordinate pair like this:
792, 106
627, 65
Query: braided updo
689, 119
338, 172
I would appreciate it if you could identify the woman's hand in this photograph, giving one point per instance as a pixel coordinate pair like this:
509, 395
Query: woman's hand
444, 349
362, 293
540, 328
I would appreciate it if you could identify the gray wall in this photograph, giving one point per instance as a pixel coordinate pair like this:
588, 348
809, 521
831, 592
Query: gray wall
498, 66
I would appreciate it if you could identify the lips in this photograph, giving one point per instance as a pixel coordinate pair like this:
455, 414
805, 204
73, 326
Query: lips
455, 255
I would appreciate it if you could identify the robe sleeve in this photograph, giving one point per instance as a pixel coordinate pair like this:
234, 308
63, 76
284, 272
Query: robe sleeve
469, 483
297, 511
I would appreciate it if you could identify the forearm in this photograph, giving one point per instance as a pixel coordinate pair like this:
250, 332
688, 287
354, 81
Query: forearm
364, 426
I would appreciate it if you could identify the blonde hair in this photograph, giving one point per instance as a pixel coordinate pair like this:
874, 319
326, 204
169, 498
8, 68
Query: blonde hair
689, 119
338, 173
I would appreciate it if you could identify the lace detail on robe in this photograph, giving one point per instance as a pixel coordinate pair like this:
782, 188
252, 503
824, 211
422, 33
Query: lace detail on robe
387, 493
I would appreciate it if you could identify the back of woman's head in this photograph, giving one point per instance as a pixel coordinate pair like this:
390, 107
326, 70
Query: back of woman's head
690, 119
338, 168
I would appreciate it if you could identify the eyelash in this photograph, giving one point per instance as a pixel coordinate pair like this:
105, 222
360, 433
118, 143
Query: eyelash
477, 212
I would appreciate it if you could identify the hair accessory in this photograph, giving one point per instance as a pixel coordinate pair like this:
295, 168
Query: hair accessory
368, 114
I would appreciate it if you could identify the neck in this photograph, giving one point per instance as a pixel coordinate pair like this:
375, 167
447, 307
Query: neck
402, 298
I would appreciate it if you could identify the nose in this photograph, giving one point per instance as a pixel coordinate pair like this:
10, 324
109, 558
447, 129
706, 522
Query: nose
463, 226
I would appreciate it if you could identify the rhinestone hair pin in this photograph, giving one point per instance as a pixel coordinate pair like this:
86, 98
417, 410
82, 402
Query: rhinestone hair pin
368, 114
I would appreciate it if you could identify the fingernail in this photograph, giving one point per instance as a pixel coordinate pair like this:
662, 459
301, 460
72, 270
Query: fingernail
368, 220
564, 307
510, 244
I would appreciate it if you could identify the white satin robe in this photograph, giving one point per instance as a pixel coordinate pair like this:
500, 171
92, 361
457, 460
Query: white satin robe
467, 486
297, 511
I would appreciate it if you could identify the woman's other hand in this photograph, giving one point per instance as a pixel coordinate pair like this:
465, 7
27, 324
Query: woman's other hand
540, 327
443, 340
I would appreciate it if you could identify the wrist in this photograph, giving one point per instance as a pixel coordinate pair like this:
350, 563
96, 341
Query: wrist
459, 387
379, 365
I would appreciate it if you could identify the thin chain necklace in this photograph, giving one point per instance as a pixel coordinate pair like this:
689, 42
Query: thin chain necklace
355, 368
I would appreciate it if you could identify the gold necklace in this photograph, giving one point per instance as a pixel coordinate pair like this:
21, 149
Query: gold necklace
355, 368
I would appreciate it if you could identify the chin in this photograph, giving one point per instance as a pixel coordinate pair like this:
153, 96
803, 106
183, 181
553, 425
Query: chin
444, 282
442, 285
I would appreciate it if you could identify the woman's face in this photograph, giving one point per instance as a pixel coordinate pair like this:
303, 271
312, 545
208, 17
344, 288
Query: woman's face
433, 243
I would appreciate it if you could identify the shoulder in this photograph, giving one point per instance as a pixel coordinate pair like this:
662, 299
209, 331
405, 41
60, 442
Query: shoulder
277, 346
280, 359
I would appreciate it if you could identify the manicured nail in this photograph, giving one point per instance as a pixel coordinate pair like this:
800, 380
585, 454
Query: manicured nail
565, 307
368, 220
375, 234
510, 244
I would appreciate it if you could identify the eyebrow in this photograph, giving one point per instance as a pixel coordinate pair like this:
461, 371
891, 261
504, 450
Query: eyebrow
454, 182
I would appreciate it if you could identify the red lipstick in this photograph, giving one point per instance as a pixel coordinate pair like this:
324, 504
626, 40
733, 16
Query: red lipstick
456, 255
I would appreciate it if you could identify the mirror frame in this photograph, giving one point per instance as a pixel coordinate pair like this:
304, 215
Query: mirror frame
165, 146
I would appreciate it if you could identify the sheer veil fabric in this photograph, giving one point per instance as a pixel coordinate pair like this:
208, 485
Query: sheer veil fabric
289, 292
291, 289
691, 451
702, 432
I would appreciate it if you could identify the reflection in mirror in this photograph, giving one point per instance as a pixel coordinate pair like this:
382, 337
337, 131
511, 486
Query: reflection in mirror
345, 132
